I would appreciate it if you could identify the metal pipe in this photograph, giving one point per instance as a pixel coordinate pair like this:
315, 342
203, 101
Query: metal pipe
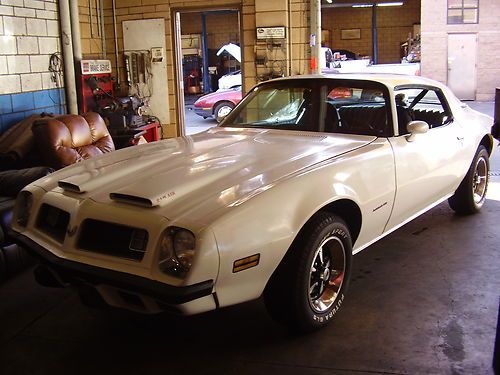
115, 36
204, 44
181, 116
75, 31
97, 15
289, 37
67, 52
101, 22
315, 40
91, 16
77, 46
374, 35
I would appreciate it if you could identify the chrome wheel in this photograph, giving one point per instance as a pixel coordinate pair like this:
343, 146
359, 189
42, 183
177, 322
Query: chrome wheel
327, 274
480, 181
308, 288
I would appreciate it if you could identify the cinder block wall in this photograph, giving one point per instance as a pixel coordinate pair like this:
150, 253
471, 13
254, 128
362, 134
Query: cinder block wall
435, 32
393, 26
29, 34
150, 9
90, 32
221, 28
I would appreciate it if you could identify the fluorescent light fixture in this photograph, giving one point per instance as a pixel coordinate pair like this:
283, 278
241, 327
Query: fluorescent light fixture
361, 5
393, 4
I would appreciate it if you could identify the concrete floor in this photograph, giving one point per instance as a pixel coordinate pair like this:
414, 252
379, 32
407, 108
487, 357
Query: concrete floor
424, 300
195, 123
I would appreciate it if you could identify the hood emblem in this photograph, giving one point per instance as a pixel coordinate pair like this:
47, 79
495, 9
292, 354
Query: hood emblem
165, 196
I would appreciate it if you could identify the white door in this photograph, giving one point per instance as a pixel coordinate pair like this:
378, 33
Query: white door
432, 165
427, 169
462, 55
142, 36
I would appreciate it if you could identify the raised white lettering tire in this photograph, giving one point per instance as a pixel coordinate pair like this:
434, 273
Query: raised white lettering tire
308, 287
471, 194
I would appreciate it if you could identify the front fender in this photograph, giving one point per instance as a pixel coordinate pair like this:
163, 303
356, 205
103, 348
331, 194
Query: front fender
268, 223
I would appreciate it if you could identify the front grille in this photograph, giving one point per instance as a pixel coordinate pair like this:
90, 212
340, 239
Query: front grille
113, 239
53, 221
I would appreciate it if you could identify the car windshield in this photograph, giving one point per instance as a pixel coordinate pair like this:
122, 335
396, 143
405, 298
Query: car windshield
321, 105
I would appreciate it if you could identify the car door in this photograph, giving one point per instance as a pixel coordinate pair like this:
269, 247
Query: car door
429, 166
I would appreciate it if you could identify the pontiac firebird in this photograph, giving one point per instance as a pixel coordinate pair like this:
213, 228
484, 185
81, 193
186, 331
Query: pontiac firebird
302, 174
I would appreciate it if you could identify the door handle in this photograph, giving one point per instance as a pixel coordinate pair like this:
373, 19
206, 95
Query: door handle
460, 138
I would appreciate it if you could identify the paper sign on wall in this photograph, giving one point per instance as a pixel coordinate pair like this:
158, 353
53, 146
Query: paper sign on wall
277, 32
157, 54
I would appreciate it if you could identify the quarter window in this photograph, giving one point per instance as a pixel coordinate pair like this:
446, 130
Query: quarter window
463, 11
423, 104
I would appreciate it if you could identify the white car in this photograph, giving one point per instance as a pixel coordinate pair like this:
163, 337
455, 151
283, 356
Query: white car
230, 80
301, 175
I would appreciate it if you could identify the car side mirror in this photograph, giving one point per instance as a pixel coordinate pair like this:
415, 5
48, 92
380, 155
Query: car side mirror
416, 127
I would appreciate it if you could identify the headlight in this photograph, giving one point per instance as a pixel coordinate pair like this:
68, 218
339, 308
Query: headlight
23, 207
176, 251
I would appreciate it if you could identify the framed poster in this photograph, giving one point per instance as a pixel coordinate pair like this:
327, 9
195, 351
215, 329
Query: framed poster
350, 34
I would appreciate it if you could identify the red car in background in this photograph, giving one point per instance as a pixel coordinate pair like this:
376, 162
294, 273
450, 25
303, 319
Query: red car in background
218, 104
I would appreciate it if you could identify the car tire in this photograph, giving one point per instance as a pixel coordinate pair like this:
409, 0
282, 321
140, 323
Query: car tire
308, 287
222, 110
471, 194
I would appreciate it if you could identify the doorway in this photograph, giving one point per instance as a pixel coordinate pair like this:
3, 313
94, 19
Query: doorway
201, 61
462, 56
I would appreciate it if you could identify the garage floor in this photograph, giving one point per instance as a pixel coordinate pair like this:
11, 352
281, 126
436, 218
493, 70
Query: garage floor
424, 300
195, 123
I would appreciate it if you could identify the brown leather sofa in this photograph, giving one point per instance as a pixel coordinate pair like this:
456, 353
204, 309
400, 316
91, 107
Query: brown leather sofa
68, 139
60, 141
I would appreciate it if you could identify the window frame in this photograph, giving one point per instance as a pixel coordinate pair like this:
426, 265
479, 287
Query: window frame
440, 95
462, 9
318, 125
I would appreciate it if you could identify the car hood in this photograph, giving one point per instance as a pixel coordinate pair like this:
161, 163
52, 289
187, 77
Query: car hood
224, 166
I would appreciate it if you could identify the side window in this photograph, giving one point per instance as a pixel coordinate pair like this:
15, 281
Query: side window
356, 110
422, 104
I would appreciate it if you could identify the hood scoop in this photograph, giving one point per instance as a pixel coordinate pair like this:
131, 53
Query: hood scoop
132, 199
68, 186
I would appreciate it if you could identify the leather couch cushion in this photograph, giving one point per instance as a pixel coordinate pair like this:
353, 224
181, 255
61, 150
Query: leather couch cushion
68, 139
